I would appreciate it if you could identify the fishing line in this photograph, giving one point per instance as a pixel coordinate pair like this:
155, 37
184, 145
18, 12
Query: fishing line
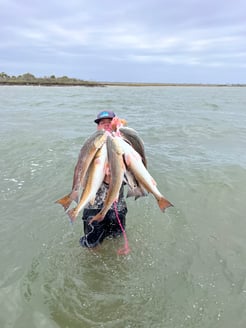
125, 250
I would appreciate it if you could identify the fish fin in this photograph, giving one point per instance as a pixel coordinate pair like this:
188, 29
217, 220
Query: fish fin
131, 193
65, 201
136, 192
125, 180
72, 214
132, 184
144, 193
164, 203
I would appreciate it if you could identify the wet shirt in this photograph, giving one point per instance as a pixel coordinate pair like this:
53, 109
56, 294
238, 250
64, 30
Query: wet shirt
101, 196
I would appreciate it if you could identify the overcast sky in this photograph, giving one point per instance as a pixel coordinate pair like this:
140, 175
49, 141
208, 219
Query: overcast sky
190, 41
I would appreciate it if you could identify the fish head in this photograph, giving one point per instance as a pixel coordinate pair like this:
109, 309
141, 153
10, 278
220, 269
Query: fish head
100, 140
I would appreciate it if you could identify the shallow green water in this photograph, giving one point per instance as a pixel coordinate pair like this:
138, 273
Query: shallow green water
186, 267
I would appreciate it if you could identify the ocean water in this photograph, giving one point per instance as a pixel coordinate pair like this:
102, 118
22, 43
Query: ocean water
186, 267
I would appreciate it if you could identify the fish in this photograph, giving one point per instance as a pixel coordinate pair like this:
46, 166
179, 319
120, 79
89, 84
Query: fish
135, 165
117, 170
134, 139
135, 190
95, 178
86, 155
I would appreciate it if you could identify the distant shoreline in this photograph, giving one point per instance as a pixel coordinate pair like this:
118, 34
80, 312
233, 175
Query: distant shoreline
119, 84
28, 79
50, 84
171, 84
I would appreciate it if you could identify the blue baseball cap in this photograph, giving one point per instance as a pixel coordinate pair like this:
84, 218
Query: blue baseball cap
104, 114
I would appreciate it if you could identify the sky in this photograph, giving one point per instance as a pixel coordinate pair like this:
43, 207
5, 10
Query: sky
152, 41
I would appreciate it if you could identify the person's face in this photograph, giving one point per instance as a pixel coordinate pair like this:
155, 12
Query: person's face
104, 124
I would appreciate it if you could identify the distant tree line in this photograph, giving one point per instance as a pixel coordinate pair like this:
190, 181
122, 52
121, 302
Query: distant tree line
30, 79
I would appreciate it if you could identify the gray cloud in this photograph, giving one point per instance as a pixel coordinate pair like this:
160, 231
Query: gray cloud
152, 41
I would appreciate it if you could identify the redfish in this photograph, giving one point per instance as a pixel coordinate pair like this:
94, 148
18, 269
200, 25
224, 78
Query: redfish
135, 165
117, 169
95, 178
86, 155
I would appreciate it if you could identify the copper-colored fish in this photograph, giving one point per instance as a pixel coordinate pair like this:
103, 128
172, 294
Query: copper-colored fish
117, 169
96, 175
145, 180
86, 155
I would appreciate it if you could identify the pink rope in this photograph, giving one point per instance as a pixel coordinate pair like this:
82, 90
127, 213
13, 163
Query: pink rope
125, 250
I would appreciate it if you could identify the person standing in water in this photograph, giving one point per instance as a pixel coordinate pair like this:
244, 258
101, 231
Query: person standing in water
96, 232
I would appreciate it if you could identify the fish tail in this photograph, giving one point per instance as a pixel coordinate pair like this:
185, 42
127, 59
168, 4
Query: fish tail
164, 203
65, 201
72, 214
